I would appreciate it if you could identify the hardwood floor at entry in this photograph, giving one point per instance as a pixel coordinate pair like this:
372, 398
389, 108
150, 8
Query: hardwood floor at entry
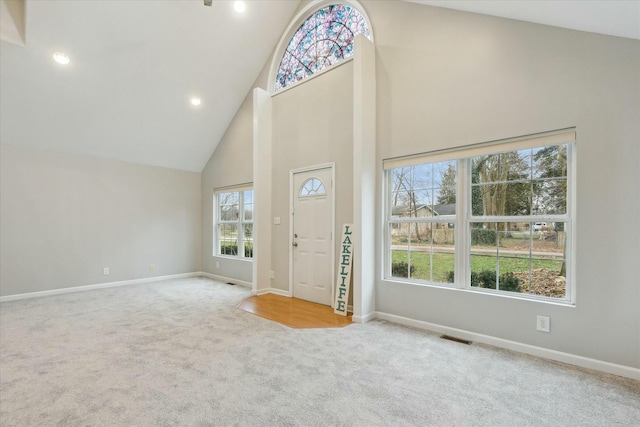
293, 312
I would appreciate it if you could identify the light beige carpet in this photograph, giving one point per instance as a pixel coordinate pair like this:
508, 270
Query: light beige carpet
179, 353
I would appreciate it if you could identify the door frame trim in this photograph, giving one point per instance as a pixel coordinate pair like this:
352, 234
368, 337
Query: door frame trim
292, 172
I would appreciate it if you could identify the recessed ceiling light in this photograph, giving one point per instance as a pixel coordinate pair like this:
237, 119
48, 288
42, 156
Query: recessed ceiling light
239, 6
196, 101
61, 58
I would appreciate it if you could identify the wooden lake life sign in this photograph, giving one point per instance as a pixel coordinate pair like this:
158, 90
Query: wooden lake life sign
344, 274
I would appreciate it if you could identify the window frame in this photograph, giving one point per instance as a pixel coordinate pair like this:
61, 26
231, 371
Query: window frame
390, 220
240, 222
463, 217
314, 192
311, 8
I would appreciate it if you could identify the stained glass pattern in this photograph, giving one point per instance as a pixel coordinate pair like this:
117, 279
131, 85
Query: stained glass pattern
312, 187
324, 39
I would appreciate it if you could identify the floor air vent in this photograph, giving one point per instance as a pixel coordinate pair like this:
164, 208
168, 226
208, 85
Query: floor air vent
460, 340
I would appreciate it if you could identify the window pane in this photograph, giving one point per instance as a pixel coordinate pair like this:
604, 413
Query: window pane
443, 255
420, 261
248, 240
426, 250
400, 244
424, 190
228, 239
500, 199
248, 205
501, 184
444, 188
322, 40
229, 208
423, 251
519, 257
548, 274
312, 187
484, 255
514, 259
550, 162
400, 190
490, 200
525, 182
433, 255
550, 196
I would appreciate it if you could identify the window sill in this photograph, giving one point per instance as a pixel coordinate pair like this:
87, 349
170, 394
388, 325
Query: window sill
234, 258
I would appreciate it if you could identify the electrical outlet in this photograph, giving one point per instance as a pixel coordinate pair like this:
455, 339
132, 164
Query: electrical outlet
152, 267
105, 271
272, 275
542, 323
217, 264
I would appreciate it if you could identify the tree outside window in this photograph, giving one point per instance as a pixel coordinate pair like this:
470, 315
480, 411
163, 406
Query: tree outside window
508, 233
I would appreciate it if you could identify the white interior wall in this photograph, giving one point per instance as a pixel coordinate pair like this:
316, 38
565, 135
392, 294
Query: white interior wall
444, 79
230, 164
262, 171
448, 78
63, 218
312, 125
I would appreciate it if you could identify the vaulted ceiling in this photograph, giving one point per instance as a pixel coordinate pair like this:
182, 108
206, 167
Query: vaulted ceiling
619, 18
136, 64
134, 67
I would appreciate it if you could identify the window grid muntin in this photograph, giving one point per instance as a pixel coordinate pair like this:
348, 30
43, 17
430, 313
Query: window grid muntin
296, 65
531, 258
312, 187
240, 223
527, 160
463, 232
431, 248
432, 187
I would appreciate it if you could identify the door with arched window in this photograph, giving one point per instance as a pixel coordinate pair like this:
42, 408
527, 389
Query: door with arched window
311, 239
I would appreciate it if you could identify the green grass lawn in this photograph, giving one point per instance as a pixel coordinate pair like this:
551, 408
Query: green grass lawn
444, 263
231, 248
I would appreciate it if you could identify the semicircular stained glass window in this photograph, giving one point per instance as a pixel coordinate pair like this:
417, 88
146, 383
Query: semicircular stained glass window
312, 187
324, 39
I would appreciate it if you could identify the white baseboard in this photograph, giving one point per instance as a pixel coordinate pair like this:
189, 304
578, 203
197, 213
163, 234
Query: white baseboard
273, 291
96, 286
226, 279
572, 359
364, 319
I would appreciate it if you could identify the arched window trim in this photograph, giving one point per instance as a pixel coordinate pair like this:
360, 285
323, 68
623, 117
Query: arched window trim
295, 23
315, 191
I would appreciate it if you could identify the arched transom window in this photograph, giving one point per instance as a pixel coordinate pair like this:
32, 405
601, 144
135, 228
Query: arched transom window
312, 187
324, 39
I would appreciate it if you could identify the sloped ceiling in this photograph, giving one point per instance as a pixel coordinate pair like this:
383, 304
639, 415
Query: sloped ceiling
619, 18
135, 64
12, 21
134, 67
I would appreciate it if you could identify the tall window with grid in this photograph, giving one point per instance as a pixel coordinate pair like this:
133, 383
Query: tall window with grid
234, 223
494, 217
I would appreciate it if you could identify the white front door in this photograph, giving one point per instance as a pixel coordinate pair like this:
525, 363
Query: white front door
312, 246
